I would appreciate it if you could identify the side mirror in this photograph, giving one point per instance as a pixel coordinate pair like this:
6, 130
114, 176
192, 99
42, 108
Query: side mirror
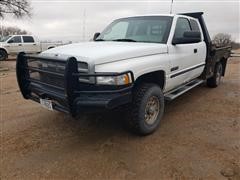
189, 37
96, 36
10, 41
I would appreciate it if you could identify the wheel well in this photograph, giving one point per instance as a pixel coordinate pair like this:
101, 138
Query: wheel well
4, 50
223, 61
156, 77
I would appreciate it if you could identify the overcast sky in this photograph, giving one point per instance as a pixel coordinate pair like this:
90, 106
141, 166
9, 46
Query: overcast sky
64, 20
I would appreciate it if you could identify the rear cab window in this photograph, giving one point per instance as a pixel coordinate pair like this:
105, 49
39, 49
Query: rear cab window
28, 39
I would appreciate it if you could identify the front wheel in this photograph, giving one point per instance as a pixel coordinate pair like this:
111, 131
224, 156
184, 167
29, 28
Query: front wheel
216, 79
146, 110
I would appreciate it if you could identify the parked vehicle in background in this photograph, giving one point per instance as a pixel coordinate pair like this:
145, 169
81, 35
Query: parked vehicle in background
137, 62
13, 44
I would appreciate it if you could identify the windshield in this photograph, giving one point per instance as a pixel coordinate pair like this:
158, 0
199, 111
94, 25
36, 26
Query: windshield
152, 29
4, 38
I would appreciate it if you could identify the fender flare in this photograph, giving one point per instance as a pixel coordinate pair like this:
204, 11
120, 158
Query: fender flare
157, 76
4, 49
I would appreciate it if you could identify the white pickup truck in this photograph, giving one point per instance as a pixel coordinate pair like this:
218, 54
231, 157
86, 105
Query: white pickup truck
136, 62
13, 44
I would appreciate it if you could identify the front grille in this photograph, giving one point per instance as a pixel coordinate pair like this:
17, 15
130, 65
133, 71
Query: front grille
54, 67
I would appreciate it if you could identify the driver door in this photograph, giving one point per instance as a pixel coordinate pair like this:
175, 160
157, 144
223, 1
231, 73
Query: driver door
187, 60
15, 45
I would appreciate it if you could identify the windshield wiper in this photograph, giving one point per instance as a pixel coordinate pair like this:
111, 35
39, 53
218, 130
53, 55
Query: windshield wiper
124, 40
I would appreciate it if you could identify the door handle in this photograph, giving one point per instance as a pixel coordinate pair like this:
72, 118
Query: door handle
195, 50
34, 44
19, 44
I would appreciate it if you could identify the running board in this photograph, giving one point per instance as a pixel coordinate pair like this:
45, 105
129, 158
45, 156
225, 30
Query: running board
182, 89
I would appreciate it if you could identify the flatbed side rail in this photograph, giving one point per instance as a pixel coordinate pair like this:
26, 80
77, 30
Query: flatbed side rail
224, 48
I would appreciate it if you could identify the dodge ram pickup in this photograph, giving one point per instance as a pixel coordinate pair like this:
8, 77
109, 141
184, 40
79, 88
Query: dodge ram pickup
136, 62
14, 44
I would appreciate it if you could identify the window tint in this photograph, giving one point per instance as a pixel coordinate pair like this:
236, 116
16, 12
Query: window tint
194, 25
28, 39
16, 39
181, 26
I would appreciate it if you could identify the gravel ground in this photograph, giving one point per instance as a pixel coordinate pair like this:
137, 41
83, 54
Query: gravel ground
199, 138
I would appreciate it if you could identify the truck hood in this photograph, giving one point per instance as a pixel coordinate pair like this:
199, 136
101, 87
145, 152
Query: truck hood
106, 51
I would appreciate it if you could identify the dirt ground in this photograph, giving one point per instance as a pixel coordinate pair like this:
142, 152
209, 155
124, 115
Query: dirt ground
199, 138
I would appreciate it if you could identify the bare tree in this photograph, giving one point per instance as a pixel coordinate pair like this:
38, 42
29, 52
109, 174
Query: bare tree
18, 8
222, 39
5, 31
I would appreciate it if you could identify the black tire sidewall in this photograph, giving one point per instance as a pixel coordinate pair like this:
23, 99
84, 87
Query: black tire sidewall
4, 55
212, 82
154, 90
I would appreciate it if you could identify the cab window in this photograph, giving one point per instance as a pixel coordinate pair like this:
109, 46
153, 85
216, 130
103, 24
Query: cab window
194, 25
15, 39
28, 39
181, 26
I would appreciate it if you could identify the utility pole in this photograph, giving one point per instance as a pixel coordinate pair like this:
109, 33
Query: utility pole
171, 6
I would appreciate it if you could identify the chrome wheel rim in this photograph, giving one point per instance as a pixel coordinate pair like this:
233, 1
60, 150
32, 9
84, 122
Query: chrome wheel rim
152, 110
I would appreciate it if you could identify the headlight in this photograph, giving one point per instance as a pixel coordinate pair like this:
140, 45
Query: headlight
114, 80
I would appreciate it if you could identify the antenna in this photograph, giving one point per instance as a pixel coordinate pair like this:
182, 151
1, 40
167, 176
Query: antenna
171, 6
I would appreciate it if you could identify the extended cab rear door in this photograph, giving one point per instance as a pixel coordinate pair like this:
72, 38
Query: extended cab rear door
30, 45
187, 60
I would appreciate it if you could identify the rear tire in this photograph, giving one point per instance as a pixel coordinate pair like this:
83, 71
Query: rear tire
3, 55
147, 109
214, 81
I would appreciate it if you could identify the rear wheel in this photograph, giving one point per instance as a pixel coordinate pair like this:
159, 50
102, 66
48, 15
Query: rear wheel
3, 55
216, 79
146, 110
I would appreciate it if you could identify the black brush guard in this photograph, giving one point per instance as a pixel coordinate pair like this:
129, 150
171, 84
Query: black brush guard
70, 94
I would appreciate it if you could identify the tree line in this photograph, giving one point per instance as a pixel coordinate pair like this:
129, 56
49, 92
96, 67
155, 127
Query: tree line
224, 39
11, 30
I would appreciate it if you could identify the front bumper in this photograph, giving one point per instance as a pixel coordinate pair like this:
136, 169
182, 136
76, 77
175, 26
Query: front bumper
72, 95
